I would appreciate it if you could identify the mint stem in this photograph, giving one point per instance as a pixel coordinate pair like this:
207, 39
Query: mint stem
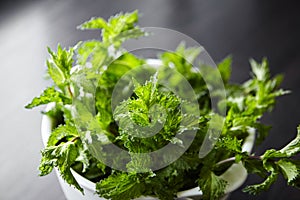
75, 138
69, 89
233, 159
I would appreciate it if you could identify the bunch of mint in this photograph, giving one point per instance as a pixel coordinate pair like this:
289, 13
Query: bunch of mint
103, 62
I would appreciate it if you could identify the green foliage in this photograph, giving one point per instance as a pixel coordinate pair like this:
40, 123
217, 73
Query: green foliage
225, 69
289, 169
61, 132
213, 187
49, 95
62, 157
289, 150
255, 189
277, 162
59, 66
123, 186
152, 111
90, 72
117, 29
247, 103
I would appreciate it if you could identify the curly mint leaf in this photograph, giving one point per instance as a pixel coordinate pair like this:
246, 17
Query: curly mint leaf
84, 158
231, 144
289, 169
60, 133
151, 111
62, 157
122, 186
212, 186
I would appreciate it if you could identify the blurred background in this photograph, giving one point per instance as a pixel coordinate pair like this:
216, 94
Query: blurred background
243, 29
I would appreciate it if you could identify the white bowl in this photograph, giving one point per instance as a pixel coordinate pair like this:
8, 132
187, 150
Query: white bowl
235, 175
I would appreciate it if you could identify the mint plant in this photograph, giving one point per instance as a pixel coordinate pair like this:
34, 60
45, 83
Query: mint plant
103, 63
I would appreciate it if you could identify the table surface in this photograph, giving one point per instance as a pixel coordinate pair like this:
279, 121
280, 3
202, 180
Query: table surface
244, 29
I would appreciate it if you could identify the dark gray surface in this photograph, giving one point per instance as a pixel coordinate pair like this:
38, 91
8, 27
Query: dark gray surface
243, 29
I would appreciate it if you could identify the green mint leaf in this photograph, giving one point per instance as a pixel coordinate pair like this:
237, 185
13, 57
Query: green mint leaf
189, 54
61, 132
256, 189
212, 186
231, 144
260, 70
117, 29
255, 166
84, 158
49, 95
59, 66
122, 186
139, 162
182, 60
289, 170
293, 147
63, 59
289, 150
56, 74
225, 68
182, 173
92, 51
129, 34
62, 157
94, 23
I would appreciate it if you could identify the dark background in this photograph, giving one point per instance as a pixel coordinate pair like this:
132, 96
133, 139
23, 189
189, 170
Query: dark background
243, 29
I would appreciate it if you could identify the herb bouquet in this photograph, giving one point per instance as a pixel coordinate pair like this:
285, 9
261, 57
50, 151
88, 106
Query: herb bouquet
91, 128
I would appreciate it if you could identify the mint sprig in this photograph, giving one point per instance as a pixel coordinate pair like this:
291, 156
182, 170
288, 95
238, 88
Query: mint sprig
280, 161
